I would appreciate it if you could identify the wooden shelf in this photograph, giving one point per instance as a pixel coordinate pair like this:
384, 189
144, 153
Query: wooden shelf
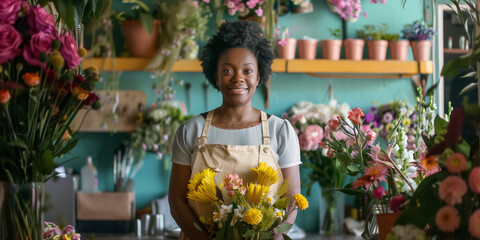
456, 50
392, 67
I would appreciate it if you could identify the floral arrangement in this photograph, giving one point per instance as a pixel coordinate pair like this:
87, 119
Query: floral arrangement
381, 117
417, 31
244, 8
244, 210
283, 40
446, 203
51, 231
349, 10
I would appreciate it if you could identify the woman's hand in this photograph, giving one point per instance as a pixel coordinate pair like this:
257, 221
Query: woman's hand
292, 175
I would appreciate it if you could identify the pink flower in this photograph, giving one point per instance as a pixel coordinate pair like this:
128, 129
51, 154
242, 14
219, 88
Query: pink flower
9, 11
371, 136
474, 224
452, 189
252, 3
456, 163
474, 180
259, 12
379, 156
39, 42
282, 42
40, 20
428, 166
372, 174
232, 182
69, 50
334, 124
355, 116
378, 192
330, 153
447, 219
10, 40
396, 203
306, 143
314, 133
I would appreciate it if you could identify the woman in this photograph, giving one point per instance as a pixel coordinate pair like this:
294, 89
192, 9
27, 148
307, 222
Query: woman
235, 136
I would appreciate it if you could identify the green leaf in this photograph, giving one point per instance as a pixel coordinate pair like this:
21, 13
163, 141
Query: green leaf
284, 228
265, 235
69, 146
468, 88
440, 124
147, 22
248, 233
18, 143
47, 163
79, 6
463, 147
413, 215
351, 191
452, 67
286, 237
427, 184
353, 168
66, 11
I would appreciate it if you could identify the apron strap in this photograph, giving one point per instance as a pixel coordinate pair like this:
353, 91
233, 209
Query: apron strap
265, 133
202, 141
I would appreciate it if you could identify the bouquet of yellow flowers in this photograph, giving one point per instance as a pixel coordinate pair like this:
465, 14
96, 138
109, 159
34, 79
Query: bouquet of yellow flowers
249, 210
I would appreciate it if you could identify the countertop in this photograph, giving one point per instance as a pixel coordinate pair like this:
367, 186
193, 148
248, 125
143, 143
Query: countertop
310, 236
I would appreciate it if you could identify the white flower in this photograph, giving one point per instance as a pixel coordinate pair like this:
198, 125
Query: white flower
301, 107
237, 215
343, 110
408, 232
158, 114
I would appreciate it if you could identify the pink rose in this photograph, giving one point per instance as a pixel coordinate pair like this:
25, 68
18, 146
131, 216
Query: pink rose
447, 219
452, 189
355, 116
474, 224
314, 133
305, 143
69, 50
10, 40
474, 180
39, 42
378, 192
9, 11
40, 20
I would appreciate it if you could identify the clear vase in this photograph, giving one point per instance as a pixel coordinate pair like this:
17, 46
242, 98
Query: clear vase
21, 214
332, 212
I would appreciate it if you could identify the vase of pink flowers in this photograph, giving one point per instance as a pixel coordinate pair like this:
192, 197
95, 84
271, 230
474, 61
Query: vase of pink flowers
286, 46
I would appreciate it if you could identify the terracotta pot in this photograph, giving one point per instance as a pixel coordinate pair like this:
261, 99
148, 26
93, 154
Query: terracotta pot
139, 42
399, 50
353, 48
421, 50
377, 49
331, 49
307, 48
288, 50
385, 222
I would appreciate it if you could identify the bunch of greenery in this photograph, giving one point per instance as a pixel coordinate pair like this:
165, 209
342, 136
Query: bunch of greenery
372, 32
140, 11
335, 33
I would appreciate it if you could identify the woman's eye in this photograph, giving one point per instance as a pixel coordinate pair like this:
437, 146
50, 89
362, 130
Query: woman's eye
249, 71
227, 71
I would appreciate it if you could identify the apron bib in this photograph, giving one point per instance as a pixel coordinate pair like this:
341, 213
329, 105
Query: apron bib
230, 159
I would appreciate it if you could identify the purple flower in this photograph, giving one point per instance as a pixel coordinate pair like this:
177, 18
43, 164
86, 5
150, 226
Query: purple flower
39, 42
369, 117
68, 229
10, 40
40, 20
9, 11
69, 50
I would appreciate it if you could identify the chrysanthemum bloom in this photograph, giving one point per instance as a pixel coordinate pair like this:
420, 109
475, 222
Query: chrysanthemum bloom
80, 93
377, 172
31, 79
256, 192
378, 192
4, 96
452, 189
232, 182
300, 201
428, 166
474, 224
396, 202
474, 180
355, 115
266, 175
202, 187
456, 163
447, 219
253, 216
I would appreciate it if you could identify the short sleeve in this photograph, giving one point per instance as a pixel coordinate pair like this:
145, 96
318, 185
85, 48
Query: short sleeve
288, 146
180, 150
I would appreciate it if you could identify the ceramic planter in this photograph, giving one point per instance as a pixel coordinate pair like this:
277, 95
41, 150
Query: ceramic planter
399, 49
385, 222
287, 51
307, 48
353, 48
331, 49
421, 50
377, 49
139, 42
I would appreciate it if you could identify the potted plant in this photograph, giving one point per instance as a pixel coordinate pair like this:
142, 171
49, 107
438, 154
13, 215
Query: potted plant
377, 46
286, 46
331, 48
419, 34
398, 47
307, 48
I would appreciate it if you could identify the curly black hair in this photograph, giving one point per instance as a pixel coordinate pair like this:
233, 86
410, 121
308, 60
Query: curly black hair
243, 34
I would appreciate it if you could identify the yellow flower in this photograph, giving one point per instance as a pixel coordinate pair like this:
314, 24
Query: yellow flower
82, 52
389, 127
256, 192
66, 237
253, 216
407, 122
202, 187
56, 59
80, 93
266, 174
300, 201
57, 237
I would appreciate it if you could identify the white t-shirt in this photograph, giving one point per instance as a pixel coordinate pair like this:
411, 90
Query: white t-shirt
283, 139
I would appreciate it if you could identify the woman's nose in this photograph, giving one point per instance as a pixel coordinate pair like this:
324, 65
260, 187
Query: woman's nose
238, 77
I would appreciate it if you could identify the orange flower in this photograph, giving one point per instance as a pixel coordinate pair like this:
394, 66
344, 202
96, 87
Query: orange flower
66, 136
4, 96
377, 172
80, 93
31, 79
429, 165
355, 115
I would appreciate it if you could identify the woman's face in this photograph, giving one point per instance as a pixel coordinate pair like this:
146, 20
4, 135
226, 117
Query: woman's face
237, 76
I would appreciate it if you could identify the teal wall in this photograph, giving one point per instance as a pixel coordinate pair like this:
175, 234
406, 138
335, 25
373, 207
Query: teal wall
286, 89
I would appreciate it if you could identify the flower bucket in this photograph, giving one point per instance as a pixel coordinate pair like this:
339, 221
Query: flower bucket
332, 212
287, 51
353, 48
139, 42
21, 214
399, 50
331, 49
421, 50
385, 222
377, 49
307, 48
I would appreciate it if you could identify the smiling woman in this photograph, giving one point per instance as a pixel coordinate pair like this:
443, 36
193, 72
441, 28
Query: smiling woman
235, 137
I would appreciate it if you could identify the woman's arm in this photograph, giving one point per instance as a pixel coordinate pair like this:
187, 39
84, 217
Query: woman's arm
292, 175
177, 198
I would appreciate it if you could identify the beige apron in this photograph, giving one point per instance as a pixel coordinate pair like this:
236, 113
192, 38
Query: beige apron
230, 159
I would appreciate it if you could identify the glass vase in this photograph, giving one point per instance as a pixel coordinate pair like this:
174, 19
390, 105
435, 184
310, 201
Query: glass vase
21, 214
332, 211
